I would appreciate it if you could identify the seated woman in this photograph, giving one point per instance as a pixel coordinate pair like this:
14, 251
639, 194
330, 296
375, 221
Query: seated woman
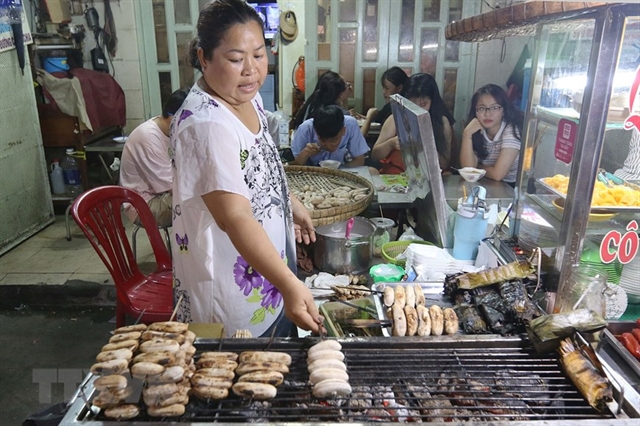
392, 81
329, 136
331, 89
492, 139
422, 90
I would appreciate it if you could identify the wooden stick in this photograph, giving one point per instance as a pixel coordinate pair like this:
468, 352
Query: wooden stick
175, 310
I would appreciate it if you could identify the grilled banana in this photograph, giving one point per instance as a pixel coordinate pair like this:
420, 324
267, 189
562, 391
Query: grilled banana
152, 334
326, 363
399, 319
400, 297
129, 344
130, 328
322, 374
259, 391
106, 368
171, 375
450, 321
123, 353
111, 382
324, 345
174, 410
248, 367
420, 300
325, 354
122, 412
257, 356
218, 382
274, 378
210, 392
162, 358
217, 363
410, 296
331, 388
412, 319
121, 337
388, 296
437, 320
424, 320
170, 327
160, 345
222, 373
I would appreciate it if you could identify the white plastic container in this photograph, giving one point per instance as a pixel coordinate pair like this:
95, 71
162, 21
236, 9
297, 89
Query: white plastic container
71, 172
283, 128
57, 179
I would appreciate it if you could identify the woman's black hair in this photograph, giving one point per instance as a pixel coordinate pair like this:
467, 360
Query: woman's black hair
328, 89
511, 115
173, 104
395, 75
424, 85
215, 19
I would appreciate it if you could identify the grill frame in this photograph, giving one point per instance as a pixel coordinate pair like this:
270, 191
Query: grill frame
368, 359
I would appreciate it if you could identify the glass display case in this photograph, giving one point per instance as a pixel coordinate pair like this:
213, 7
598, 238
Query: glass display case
577, 195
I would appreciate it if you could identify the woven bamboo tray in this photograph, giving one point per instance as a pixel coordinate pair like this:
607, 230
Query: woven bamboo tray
304, 178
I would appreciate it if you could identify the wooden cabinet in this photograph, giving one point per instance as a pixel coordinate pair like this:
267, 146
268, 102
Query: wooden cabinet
60, 130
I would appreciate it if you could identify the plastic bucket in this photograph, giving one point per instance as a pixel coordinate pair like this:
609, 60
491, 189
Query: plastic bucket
55, 64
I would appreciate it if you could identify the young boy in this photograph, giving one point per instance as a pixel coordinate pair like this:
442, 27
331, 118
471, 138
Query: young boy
329, 136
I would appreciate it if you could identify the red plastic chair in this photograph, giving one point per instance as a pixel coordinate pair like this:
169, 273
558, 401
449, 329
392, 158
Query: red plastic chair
98, 214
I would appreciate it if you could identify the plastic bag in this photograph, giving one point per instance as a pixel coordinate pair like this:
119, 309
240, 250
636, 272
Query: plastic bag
409, 235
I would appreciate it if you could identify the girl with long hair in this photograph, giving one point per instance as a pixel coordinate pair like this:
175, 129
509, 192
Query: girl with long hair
331, 89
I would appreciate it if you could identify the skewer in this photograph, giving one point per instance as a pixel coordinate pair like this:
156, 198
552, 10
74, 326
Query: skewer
353, 305
357, 289
175, 310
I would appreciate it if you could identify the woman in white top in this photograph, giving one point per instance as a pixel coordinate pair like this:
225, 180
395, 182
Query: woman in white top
492, 139
235, 223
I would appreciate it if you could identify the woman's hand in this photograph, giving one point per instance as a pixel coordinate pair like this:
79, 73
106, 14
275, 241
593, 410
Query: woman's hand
473, 127
300, 308
302, 223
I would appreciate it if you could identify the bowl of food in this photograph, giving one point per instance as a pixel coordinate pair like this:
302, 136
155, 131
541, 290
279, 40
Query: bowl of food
471, 174
595, 214
330, 164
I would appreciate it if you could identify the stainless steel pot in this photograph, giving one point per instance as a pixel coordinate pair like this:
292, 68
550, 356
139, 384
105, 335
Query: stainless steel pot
332, 254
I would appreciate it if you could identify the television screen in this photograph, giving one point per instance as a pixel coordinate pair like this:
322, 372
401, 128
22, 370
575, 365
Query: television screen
270, 15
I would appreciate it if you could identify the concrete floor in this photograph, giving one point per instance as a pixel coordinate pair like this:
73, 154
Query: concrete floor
44, 355
56, 303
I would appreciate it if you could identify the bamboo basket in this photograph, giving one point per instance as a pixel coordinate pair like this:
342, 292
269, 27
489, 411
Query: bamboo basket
329, 179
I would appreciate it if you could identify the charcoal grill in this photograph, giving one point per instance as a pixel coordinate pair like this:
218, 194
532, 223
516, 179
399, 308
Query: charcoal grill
480, 379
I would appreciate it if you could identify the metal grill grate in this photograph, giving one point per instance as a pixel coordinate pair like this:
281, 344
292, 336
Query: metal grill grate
408, 380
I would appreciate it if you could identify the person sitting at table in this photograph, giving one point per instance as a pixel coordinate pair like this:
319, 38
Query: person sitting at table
422, 90
145, 165
392, 81
331, 89
492, 139
331, 135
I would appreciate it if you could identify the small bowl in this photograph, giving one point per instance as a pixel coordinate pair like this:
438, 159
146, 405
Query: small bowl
330, 164
471, 174
595, 214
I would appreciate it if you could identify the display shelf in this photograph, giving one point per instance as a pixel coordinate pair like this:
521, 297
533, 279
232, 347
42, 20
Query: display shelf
553, 116
517, 20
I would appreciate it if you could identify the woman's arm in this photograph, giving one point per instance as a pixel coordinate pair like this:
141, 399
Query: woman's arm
234, 216
468, 157
503, 164
367, 121
387, 141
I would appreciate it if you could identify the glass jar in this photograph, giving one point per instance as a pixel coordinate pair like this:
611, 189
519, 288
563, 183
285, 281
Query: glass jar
585, 290
381, 236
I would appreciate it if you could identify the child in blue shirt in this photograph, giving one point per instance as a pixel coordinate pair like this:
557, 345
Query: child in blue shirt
329, 136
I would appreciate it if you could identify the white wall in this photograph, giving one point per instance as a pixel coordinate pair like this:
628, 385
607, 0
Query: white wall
126, 62
490, 68
289, 54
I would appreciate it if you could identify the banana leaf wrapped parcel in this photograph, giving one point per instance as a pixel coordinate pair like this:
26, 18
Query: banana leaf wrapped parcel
546, 331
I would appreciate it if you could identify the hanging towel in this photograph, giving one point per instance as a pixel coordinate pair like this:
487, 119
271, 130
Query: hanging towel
110, 37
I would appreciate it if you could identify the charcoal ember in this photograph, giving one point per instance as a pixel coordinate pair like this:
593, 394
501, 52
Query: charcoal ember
528, 387
519, 306
435, 410
471, 320
462, 390
360, 400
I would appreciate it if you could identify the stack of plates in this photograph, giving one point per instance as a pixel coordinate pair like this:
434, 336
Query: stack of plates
591, 257
630, 280
434, 262
536, 232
